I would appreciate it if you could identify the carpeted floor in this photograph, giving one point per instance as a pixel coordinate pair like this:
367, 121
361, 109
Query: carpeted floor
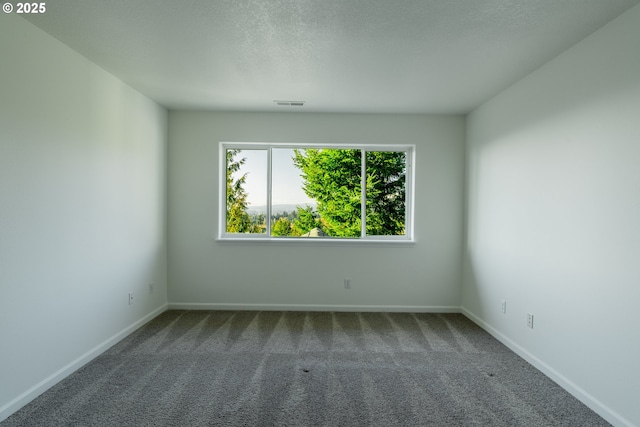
243, 368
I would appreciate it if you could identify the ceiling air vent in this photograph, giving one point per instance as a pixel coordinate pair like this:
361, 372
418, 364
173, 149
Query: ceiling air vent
289, 103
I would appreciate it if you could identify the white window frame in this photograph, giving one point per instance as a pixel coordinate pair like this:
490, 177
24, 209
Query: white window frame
224, 237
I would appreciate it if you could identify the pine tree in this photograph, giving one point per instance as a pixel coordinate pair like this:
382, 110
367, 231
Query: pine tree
306, 221
386, 194
333, 178
281, 227
238, 220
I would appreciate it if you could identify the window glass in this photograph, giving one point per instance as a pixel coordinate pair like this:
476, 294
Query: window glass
386, 193
332, 178
246, 195
293, 212
289, 191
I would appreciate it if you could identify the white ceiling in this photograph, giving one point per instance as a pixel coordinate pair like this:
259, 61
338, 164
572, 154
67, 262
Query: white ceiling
392, 56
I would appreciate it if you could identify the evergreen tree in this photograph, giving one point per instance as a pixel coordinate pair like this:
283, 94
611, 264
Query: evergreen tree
281, 227
238, 220
333, 178
306, 221
386, 194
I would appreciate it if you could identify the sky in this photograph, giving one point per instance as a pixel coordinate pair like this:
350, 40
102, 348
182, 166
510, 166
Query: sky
286, 180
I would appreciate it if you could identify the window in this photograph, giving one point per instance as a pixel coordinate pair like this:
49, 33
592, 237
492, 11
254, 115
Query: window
292, 192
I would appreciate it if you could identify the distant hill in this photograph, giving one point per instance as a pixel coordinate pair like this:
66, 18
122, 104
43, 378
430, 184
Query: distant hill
277, 208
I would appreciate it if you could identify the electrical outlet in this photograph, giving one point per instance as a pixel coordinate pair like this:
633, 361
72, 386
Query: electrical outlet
530, 320
130, 298
150, 288
347, 283
503, 306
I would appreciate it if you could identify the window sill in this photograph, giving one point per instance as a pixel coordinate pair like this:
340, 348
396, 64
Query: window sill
312, 241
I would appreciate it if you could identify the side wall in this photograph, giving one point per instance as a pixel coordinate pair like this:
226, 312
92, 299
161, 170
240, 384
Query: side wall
205, 273
82, 211
553, 218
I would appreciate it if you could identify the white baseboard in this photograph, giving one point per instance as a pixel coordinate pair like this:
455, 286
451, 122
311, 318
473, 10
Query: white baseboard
315, 307
35, 391
579, 393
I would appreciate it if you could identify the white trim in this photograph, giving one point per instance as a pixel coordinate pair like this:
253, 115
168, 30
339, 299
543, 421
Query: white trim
14, 405
314, 307
222, 191
314, 241
410, 185
601, 409
338, 146
269, 184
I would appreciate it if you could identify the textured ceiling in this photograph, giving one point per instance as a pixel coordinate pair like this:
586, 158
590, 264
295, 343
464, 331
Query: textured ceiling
400, 56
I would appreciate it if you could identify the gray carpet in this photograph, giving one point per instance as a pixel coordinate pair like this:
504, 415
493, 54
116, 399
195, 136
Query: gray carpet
243, 368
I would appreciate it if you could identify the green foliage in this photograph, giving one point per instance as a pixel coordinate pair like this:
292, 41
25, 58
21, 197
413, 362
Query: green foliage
238, 220
258, 223
332, 178
386, 194
281, 227
306, 221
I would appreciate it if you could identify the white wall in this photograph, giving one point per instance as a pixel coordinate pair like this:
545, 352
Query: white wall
554, 218
82, 210
424, 276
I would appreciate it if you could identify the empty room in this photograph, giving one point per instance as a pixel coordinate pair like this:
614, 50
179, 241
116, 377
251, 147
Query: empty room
304, 212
